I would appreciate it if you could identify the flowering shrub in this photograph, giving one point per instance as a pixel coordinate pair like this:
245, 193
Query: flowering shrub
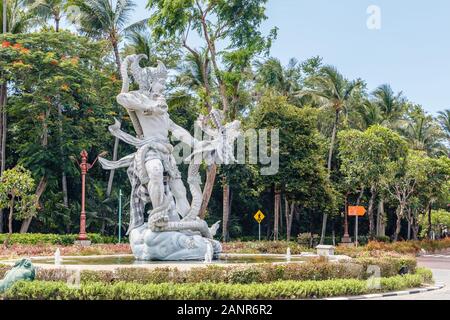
255, 247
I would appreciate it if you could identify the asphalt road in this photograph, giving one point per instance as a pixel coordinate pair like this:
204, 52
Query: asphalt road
440, 266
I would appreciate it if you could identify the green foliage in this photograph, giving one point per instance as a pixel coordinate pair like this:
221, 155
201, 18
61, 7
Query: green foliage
367, 156
42, 290
16, 187
58, 239
440, 220
301, 174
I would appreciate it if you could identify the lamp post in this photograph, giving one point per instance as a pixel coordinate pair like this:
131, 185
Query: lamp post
346, 238
85, 167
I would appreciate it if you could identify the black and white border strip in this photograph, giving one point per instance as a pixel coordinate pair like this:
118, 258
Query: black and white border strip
391, 294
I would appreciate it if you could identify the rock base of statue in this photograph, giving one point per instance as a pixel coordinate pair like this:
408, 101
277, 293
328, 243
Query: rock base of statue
171, 245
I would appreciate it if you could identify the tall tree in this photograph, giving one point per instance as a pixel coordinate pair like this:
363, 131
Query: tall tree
391, 105
366, 158
334, 92
107, 19
423, 132
14, 19
54, 10
444, 120
231, 24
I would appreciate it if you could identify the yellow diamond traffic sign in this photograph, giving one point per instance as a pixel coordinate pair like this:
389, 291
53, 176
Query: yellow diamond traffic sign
259, 216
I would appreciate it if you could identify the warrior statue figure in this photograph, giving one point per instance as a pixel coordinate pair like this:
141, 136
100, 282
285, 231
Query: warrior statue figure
173, 230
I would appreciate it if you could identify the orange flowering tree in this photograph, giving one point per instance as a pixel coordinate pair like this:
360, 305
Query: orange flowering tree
47, 72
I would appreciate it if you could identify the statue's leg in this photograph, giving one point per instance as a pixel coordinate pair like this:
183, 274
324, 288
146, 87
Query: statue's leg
179, 192
155, 172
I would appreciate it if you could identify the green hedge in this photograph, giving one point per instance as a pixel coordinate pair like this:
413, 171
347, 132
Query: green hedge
57, 239
316, 269
42, 290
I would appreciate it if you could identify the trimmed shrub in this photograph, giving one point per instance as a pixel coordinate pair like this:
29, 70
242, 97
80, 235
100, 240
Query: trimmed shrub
42, 290
57, 239
316, 269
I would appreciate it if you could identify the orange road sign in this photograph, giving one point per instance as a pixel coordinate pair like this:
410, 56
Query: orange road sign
259, 216
356, 211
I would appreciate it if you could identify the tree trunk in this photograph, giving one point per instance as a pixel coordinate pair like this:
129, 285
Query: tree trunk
207, 191
398, 225
373, 194
3, 127
63, 171
430, 224
380, 219
330, 158
226, 211
39, 191
289, 221
409, 223
116, 140
10, 219
276, 216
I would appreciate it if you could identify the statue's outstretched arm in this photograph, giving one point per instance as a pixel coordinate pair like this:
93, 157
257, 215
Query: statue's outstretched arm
182, 134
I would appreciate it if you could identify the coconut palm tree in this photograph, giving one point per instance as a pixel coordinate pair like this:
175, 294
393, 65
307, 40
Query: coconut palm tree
271, 74
444, 120
108, 19
423, 132
18, 19
391, 105
48, 10
334, 92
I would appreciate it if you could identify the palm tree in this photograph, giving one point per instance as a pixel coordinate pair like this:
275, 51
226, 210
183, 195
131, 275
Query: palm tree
444, 120
271, 74
15, 19
422, 132
392, 105
108, 19
368, 114
334, 92
48, 9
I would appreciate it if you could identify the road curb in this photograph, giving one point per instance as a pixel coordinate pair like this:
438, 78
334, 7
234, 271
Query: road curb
437, 286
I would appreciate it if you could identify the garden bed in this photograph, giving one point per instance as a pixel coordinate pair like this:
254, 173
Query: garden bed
313, 269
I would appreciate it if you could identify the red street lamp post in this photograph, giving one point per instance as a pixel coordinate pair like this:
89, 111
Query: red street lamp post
85, 167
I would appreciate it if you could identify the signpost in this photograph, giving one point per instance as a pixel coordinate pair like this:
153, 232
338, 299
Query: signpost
259, 217
356, 211
120, 215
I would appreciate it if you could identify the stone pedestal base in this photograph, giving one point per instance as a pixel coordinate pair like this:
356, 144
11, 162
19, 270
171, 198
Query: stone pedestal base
83, 243
346, 239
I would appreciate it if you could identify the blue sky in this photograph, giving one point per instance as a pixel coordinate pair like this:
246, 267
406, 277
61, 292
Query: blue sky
411, 51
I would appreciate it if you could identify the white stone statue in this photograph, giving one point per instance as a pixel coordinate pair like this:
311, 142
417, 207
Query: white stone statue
173, 230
